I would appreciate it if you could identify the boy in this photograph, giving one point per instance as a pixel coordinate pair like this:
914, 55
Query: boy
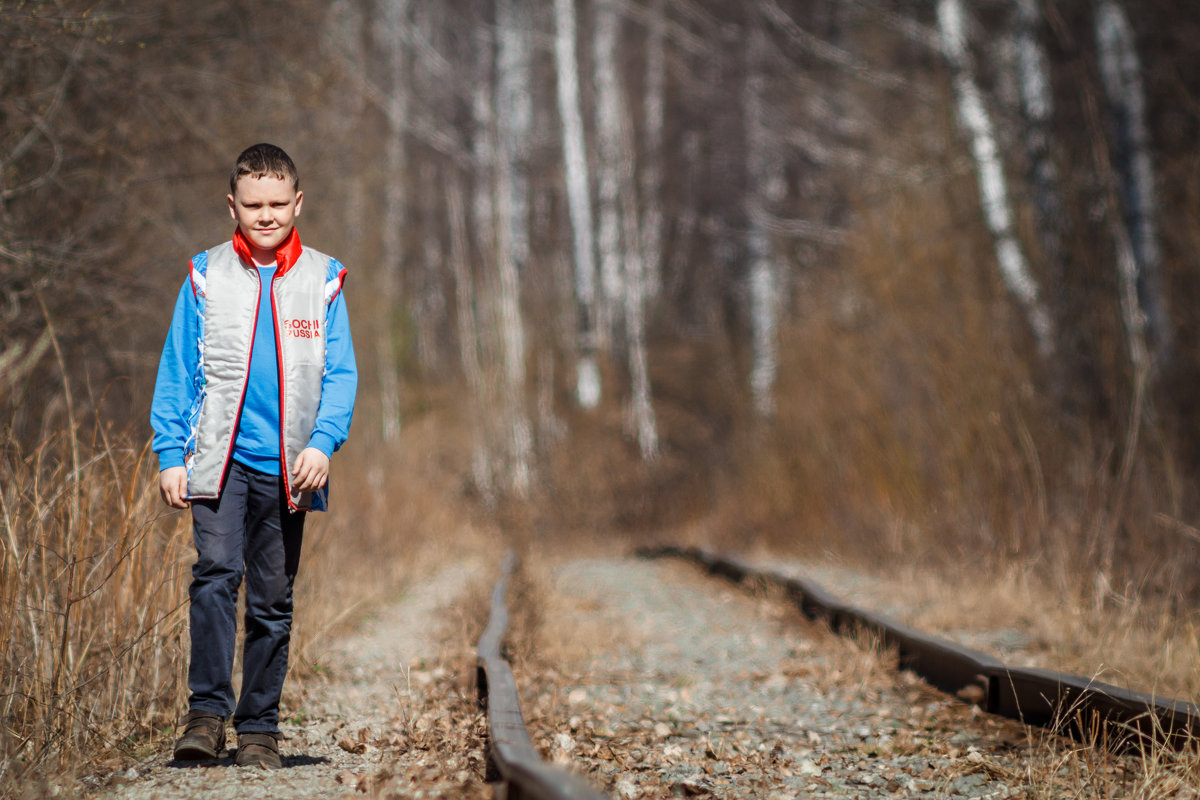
255, 392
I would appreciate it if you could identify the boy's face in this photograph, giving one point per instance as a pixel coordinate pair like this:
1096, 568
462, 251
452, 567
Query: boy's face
265, 210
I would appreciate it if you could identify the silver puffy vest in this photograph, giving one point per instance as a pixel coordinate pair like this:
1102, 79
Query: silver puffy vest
227, 298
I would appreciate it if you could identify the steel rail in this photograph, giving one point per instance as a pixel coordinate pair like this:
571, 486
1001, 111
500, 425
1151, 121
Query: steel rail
511, 757
1084, 708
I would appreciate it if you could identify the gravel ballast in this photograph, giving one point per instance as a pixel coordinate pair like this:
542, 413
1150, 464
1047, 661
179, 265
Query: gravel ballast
669, 683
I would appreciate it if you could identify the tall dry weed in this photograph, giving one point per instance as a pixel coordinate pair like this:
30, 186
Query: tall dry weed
92, 605
94, 572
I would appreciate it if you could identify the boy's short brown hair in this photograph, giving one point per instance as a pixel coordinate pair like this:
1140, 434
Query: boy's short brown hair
260, 160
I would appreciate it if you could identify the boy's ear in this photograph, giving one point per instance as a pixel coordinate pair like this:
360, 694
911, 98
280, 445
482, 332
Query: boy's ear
232, 206
299, 202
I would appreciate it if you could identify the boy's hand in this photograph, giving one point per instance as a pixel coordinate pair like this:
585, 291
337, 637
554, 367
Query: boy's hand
311, 470
172, 485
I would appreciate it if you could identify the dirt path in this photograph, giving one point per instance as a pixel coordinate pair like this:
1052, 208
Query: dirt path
389, 711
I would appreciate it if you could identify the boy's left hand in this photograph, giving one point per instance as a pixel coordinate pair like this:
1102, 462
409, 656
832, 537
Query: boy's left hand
311, 470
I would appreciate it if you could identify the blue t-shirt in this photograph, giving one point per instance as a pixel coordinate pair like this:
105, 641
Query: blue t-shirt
257, 442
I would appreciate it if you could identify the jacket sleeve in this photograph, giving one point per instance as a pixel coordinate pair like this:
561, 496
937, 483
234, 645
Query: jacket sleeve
340, 381
175, 388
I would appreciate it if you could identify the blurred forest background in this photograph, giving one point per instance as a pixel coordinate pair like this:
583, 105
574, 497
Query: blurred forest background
897, 280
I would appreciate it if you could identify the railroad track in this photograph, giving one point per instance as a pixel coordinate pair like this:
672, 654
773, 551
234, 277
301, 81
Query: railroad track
1084, 708
1088, 710
512, 759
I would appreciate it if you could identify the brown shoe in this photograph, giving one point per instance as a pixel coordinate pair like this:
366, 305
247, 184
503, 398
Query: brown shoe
203, 737
258, 750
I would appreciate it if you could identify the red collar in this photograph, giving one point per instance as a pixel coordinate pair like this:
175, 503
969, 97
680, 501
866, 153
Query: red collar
285, 255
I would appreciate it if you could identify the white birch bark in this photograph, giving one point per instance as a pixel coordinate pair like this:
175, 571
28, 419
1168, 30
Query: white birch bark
993, 187
608, 175
483, 143
395, 201
514, 101
652, 170
513, 96
642, 408
579, 200
622, 267
1120, 69
764, 281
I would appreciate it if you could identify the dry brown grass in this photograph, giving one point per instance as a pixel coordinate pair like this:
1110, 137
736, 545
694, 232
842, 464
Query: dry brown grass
91, 616
918, 434
94, 573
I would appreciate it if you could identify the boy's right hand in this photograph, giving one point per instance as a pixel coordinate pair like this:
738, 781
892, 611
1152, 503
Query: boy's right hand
172, 485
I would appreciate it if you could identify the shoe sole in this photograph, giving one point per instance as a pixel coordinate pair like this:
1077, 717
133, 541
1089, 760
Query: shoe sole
194, 753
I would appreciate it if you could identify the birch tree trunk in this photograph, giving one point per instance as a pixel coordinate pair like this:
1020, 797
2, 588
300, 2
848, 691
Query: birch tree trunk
579, 201
1121, 72
764, 280
993, 187
622, 270
652, 169
642, 408
608, 174
395, 212
483, 143
513, 95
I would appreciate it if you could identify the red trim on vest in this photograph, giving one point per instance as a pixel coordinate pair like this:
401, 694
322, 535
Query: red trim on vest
286, 254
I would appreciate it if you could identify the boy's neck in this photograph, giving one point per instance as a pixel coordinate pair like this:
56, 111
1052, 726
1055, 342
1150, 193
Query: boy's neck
264, 258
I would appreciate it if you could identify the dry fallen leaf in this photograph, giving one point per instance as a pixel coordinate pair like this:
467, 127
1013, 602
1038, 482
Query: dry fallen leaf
351, 746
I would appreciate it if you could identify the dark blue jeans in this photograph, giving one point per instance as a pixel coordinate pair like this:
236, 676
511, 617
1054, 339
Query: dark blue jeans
247, 531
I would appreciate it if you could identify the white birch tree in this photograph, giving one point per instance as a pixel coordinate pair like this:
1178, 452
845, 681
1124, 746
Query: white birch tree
579, 200
1120, 69
608, 169
642, 408
514, 97
653, 113
993, 187
764, 277
395, 210
622, 266
483, 135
